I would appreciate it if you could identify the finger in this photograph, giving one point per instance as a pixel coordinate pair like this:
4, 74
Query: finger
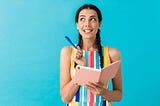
79, 55
90, 87
78, 48
74, 58
79, 52
98, 84
95, 84
96, 91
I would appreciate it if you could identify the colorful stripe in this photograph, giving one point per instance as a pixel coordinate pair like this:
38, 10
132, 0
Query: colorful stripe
72, 64
91, 64
105, 55
77, 94
84, 97
106, 62
83, 90
105, 85
109, 104
97, 61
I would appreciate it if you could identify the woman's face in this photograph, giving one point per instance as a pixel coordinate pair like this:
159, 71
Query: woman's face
88, 23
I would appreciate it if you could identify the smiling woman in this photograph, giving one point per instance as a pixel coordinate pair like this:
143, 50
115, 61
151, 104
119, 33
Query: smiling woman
88, 23
89, 53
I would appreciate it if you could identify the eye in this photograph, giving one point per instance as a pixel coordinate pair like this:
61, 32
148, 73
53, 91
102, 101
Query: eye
93, 19
82, 19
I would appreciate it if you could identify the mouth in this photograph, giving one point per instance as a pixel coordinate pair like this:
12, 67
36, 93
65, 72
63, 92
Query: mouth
87, 30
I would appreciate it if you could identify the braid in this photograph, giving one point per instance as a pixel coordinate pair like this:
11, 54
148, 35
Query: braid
98, 43
80, 41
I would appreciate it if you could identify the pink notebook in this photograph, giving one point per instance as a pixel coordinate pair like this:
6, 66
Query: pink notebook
86, 74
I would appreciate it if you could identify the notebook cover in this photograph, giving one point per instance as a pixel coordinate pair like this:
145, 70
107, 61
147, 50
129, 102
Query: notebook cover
86, 74
110, 71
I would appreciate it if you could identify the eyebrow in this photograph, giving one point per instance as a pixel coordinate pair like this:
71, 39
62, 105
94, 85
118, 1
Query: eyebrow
82, 16
93, 16
85, 16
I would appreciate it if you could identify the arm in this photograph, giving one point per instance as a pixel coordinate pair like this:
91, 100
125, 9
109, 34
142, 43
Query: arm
67, 88
116, 93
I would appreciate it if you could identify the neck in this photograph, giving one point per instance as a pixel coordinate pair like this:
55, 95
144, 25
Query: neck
89, 45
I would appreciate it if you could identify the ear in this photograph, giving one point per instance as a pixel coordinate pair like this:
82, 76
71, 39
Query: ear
99, 25
77, 26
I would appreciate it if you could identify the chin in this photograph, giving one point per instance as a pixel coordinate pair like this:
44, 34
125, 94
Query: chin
88, 35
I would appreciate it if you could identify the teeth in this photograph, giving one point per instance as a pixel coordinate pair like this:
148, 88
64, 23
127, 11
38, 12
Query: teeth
87, 30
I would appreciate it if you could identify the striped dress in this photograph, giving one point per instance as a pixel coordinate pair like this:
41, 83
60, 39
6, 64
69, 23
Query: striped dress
83, 96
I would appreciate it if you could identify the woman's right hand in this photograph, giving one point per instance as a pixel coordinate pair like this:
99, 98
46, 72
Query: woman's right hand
78, 57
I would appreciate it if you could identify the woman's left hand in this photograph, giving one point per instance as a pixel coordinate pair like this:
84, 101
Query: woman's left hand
96, 88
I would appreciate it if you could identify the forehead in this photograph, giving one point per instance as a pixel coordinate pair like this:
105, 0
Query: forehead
88, 12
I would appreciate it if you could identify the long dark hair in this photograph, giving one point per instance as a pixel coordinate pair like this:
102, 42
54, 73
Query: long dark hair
98, 40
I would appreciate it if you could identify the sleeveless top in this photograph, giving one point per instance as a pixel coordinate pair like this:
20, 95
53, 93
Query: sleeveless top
83, 96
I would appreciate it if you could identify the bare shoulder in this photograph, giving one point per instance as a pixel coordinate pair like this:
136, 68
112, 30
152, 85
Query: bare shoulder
66, 50
114, 54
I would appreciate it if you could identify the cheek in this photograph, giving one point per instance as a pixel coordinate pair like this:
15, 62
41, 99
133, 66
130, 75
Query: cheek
80, 25
96, 25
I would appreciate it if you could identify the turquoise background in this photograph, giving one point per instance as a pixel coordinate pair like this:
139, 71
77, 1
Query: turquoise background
32, 35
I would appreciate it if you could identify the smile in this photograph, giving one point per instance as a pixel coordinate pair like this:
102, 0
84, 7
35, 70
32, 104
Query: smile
88, 30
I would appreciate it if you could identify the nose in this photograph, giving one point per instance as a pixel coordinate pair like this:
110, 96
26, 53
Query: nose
87, 24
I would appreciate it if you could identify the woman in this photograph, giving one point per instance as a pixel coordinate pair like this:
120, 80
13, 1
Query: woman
89, 53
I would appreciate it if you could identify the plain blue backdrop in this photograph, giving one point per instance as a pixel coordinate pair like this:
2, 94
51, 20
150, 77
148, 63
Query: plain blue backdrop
32, 35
